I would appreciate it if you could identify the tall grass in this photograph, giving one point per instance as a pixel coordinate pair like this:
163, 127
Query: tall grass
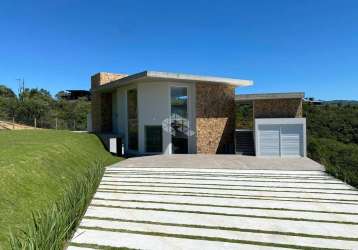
52, 227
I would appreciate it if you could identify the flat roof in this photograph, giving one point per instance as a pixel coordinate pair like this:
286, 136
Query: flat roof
267, 96
174, 77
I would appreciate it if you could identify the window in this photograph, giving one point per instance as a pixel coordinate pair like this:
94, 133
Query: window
179, 119
153, 139
244, 115
132, 111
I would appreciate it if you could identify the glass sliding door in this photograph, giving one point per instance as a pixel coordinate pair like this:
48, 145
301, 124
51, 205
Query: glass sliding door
132, 111
179, 119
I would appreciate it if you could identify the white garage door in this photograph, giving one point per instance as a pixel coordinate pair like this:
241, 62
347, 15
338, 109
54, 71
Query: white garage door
291, 140
269, 140
280, 140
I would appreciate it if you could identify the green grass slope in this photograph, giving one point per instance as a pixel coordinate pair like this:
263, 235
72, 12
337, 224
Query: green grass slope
35, 165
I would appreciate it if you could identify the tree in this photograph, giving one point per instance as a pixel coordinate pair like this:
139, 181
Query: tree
333, 121
35, 103
74, 112
82, 108
8, 103
6, 92
40, 105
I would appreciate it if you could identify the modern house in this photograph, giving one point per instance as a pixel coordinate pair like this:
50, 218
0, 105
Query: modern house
169, 113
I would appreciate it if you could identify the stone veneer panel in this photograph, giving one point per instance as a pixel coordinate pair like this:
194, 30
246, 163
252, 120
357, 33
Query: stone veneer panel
96, 111
279, 108
104, 78
215, 116
101, 103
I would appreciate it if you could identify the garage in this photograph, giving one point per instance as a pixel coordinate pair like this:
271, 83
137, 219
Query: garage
280, 137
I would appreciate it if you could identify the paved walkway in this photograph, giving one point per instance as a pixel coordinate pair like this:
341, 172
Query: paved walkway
221, 161
197, 208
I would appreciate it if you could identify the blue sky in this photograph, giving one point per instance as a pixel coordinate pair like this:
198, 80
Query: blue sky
288, 45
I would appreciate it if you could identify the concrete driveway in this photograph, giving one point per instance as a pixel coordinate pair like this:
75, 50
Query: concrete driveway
220, 205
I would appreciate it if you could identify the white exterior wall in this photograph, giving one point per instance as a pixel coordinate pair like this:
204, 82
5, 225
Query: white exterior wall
153, 109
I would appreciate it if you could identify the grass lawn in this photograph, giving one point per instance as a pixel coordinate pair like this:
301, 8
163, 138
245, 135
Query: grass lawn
35, 165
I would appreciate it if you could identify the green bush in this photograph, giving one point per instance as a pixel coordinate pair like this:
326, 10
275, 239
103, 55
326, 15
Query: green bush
340, 160
337, 122
52, 227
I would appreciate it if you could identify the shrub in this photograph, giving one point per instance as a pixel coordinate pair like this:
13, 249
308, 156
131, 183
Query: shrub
52, 227
340, 160
337, 122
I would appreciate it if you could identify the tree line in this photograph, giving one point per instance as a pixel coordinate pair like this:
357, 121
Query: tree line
37, 106
332, 130
333, 121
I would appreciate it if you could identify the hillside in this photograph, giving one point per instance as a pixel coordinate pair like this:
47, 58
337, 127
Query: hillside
342, 102
13, 126
337, 122
35, 166
333, 139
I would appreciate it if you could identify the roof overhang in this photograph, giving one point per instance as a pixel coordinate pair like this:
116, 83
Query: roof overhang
269, 96
156, 75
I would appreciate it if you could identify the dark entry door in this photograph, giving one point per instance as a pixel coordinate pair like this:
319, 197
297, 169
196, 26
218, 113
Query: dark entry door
179, 138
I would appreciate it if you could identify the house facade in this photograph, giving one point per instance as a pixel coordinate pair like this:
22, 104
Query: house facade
169, 113
273, 125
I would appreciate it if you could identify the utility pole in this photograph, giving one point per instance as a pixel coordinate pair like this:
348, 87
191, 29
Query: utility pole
21, 83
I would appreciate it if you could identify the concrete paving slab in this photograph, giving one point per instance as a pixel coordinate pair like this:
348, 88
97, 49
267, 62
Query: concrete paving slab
79, 248
328, 229
200, 161
138, 241
252, 173
337, 185
333, 197
230, 186
236, 235
215, 177
167, 202
117, 167
226, 210
272, 204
